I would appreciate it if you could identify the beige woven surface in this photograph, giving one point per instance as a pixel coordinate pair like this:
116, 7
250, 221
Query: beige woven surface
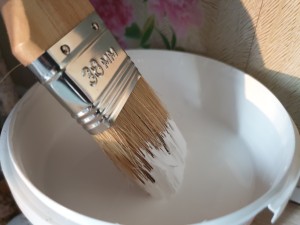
260, 37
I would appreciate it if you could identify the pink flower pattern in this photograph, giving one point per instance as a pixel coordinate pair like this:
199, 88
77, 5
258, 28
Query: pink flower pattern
117, 15
181, 14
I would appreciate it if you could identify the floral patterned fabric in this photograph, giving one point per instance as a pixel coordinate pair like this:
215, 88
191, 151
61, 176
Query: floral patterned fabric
151, 23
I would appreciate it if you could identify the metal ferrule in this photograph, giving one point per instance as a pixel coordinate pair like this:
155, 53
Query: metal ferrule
89, 73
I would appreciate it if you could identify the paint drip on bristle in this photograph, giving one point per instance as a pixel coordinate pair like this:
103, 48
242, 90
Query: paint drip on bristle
146, 144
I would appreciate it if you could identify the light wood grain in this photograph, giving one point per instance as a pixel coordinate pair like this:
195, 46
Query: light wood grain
35, 25
275, 55
260, 37
230, 30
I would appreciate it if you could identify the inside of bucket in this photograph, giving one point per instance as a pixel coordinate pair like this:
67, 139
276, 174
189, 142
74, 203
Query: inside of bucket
236, 152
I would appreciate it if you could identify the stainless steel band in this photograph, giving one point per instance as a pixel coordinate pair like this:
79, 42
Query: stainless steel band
89, 73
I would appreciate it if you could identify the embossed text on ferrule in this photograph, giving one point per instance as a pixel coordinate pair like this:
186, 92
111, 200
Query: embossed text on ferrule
97, 67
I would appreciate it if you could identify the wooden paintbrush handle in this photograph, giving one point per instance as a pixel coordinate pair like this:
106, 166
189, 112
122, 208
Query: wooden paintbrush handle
33, 26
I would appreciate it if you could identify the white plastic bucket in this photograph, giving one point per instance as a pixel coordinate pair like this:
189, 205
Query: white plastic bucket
243, 156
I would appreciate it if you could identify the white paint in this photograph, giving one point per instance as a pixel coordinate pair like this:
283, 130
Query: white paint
238, 162
168, 169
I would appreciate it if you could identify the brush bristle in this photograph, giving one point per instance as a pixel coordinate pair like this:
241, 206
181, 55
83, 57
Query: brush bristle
146, 144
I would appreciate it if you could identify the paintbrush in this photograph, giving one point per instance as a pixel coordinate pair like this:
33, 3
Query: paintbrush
67, 46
